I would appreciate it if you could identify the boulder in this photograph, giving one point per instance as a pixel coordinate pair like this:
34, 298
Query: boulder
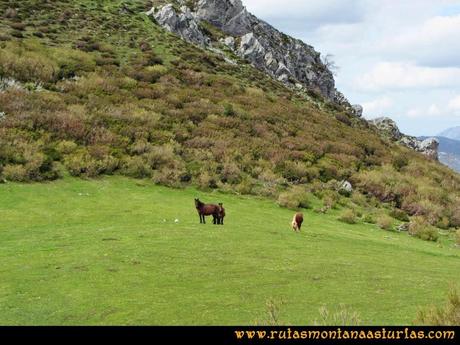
403, 227
345, 188
357, 110
229, 42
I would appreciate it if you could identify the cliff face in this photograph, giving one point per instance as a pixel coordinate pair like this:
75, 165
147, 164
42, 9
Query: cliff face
287, 59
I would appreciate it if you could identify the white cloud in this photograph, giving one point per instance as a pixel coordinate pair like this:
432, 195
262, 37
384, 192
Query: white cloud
432, 111
454, 103
307, 13
377, 106
403, 75
435, 42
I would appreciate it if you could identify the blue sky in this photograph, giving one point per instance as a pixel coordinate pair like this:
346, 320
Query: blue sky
397, 58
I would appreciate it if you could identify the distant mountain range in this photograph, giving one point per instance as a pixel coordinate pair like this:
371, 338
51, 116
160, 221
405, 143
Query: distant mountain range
451, 133
449, 147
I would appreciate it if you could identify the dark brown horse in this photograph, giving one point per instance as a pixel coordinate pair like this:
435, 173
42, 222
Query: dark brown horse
220, 220
297, 221
207, 210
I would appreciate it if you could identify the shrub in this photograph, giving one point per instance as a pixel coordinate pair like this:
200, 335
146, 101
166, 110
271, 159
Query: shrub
171, 177
342, 317
344, 119
420, 228
10, 13
18, 26
454, 218
82, 163
296, 197
66, 146
384, 222
136, 167
348, 217
400, 161
230, 173
246, 186
330, 199
16, 173
162, 156
447, 315
443, 223
359, 199
369, 218
27, 66
228, 110
399, 215
206, 181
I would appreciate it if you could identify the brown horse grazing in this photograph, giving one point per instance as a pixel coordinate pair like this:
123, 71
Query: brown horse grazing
220, 220
297, 221
207, 210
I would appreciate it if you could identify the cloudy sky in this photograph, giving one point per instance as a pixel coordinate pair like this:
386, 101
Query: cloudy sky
398, 58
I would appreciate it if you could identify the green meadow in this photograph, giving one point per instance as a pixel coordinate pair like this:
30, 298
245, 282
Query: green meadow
110, 252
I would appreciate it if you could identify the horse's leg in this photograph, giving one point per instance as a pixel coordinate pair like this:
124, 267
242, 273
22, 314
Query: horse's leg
214, 219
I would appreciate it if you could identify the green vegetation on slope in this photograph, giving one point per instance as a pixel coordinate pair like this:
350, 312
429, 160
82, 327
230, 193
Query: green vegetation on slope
99, 252
96, 87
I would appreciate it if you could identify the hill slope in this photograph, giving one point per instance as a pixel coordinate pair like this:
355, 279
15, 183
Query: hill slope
84, 255
97, 87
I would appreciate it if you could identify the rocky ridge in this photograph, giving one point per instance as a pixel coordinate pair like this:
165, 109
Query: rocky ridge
286, 59
388, 128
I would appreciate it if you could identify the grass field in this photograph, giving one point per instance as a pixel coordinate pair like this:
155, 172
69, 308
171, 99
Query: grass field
78, 252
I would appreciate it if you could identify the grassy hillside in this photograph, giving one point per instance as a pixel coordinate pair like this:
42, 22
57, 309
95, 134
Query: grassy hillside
100, 252
96, 87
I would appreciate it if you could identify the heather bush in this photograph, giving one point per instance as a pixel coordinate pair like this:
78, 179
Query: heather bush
66, 147
135, 166
399, 215
369, 218
359, 199
384, 222
295, 197
15, 172
420, 228
446, 315
348, 216
400, 161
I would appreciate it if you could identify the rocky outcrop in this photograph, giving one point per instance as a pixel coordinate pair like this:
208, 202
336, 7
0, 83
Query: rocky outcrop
287, 59
358, 110
388, 128
182, 23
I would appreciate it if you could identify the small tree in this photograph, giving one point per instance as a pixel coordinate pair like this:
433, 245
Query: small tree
328, 61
